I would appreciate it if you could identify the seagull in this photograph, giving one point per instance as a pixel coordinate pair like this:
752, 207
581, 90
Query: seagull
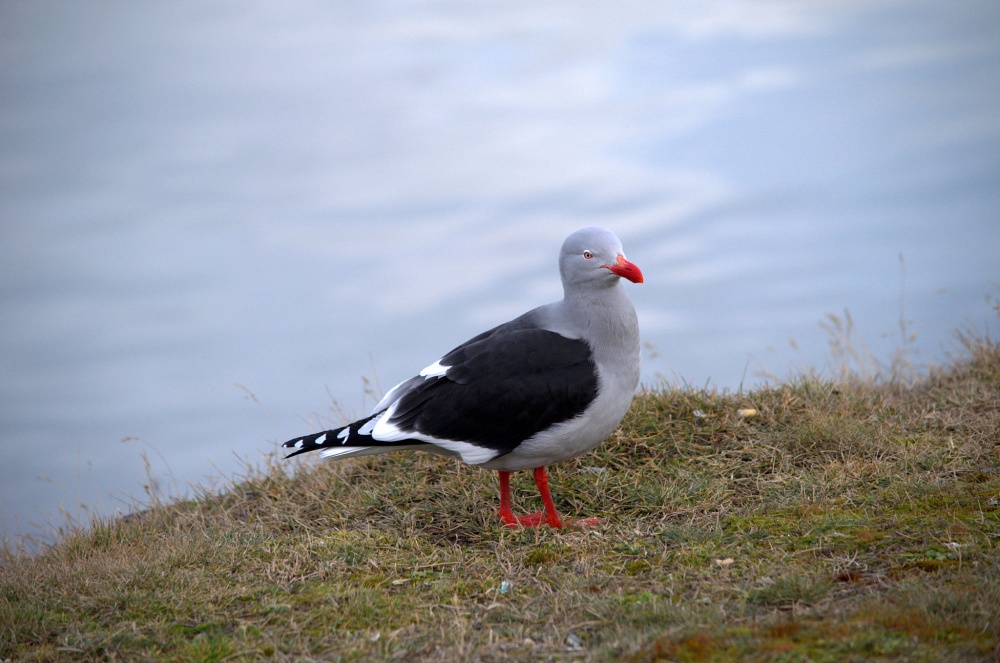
545, 387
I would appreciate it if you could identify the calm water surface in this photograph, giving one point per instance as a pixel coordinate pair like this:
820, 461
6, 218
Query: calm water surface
217, 220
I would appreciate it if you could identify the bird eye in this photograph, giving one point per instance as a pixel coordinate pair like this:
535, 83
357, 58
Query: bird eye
588, 255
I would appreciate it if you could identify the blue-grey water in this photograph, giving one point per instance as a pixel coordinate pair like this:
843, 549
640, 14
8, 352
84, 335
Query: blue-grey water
218, 219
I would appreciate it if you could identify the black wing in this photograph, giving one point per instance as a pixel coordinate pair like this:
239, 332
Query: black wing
502, 387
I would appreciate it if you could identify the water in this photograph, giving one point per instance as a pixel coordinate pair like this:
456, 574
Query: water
218, 219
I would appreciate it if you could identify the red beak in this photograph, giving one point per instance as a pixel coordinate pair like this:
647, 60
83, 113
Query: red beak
625, 269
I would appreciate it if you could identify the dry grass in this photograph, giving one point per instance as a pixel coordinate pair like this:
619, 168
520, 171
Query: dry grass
843, 521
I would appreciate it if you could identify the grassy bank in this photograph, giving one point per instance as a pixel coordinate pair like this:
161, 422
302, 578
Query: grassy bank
840, 521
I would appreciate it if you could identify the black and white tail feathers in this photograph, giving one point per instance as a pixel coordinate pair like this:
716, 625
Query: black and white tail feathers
354, 439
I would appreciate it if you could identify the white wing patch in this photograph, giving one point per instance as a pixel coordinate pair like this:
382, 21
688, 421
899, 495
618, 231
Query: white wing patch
394, 394
435, 370
367, 428
470, 453
343, 435
385, 431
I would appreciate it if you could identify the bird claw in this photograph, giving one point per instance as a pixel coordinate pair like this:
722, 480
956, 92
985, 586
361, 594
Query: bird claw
548, 517
529, 520
540, 518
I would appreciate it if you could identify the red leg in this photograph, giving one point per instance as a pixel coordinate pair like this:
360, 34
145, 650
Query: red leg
506, 515
542, 481
550, 516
